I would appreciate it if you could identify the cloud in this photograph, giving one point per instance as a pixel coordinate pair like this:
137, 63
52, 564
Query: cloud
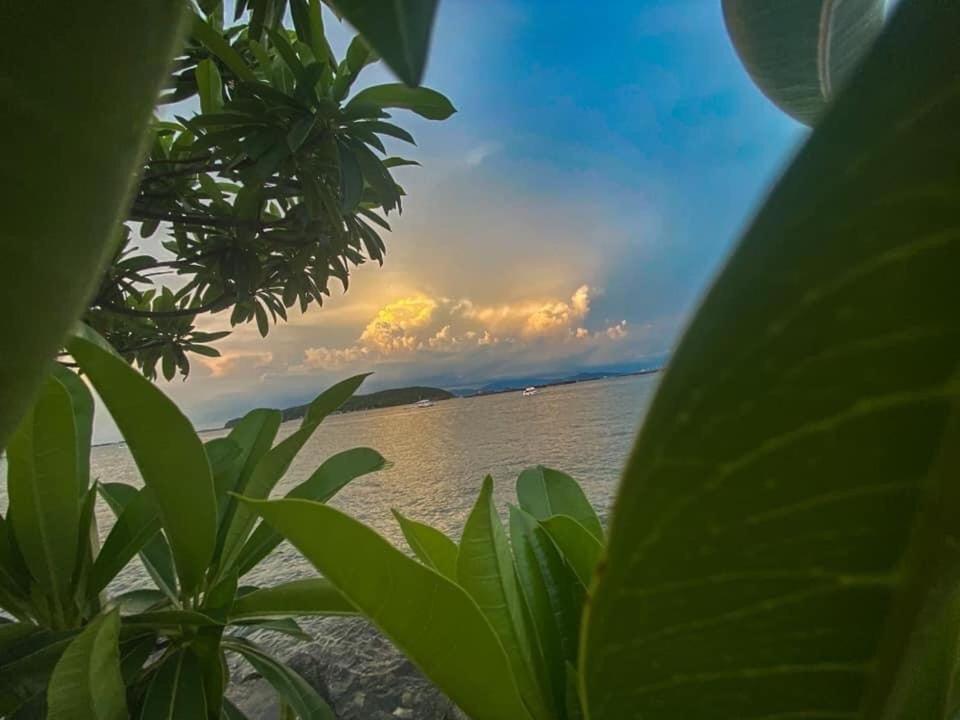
231, 362
420, 326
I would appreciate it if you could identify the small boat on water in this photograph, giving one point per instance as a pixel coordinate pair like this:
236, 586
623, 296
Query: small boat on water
529, 391
424, 403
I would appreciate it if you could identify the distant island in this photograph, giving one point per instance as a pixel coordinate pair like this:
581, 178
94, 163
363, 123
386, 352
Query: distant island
371, 401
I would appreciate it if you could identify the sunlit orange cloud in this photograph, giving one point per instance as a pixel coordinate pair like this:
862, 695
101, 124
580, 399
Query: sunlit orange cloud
423, 324
229, 362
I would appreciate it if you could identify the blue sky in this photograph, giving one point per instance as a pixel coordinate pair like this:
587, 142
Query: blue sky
601, 164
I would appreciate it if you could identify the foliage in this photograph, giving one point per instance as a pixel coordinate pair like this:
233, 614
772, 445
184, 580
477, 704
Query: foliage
276, 184
784, 540
513, 605
157, 650
801, 52
66, 183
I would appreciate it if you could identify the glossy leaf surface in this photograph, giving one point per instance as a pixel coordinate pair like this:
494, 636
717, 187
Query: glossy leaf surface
785, 534
168, 453
801, 52
419, 609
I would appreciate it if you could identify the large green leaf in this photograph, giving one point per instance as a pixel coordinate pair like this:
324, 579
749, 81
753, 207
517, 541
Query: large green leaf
432, 546
82, 402
423, 101
783, 543
136, 524
155, 554
175, 689
543, 493
580, 549
554, 598
325, 482
399, 32
168, 453
220, 46
274, 464
801, 52
290, 686
430, 618
485, 570
44, 496
254, 434
28, 655
59, 227
265, 476
86, 682
14, 576
314, 596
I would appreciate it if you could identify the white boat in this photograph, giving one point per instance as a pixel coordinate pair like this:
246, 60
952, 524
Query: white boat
529, 391
426, 402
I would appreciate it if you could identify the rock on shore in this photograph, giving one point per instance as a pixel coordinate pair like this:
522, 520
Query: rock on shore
360, 674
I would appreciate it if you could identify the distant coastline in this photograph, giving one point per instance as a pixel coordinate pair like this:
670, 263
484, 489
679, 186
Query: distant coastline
371, 401
409, 395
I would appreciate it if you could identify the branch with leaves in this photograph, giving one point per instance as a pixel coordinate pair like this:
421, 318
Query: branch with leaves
280, 183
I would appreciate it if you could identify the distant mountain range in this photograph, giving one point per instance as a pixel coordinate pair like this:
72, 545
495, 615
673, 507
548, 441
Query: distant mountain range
371, 401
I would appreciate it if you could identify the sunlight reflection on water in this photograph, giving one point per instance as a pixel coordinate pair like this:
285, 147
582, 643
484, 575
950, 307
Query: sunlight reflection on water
441, 454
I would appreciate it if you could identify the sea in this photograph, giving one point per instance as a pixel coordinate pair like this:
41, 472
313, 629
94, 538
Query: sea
439, 457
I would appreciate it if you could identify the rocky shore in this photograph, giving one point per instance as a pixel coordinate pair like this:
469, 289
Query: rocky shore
360, 674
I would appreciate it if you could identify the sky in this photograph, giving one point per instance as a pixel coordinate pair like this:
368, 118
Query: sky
602, 162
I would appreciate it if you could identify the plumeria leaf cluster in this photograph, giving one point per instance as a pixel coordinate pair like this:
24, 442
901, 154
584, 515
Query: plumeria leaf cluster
267, 179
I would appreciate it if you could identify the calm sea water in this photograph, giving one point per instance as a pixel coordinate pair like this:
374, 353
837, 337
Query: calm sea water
440, 455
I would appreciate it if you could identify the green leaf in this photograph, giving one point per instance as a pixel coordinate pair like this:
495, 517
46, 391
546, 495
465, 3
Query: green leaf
581, 550
136, 524
318, 39
423, 101
219, 46
553, 597
385, 128
254, 434
14, 576
291, 688
325, 482
43, 489
82, 402
27, 660
801, 52
284, 626
399, 32
315, 596
171, 618
155, 554
788, 518
232, 712
377, 175
86, 682
265, 476
210, 86
394, 591
60, 227
175, 689
168, 453
223, 454
485, 570
332, 398
543, 493
434, 549
573, 704
359, 55
351, 178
